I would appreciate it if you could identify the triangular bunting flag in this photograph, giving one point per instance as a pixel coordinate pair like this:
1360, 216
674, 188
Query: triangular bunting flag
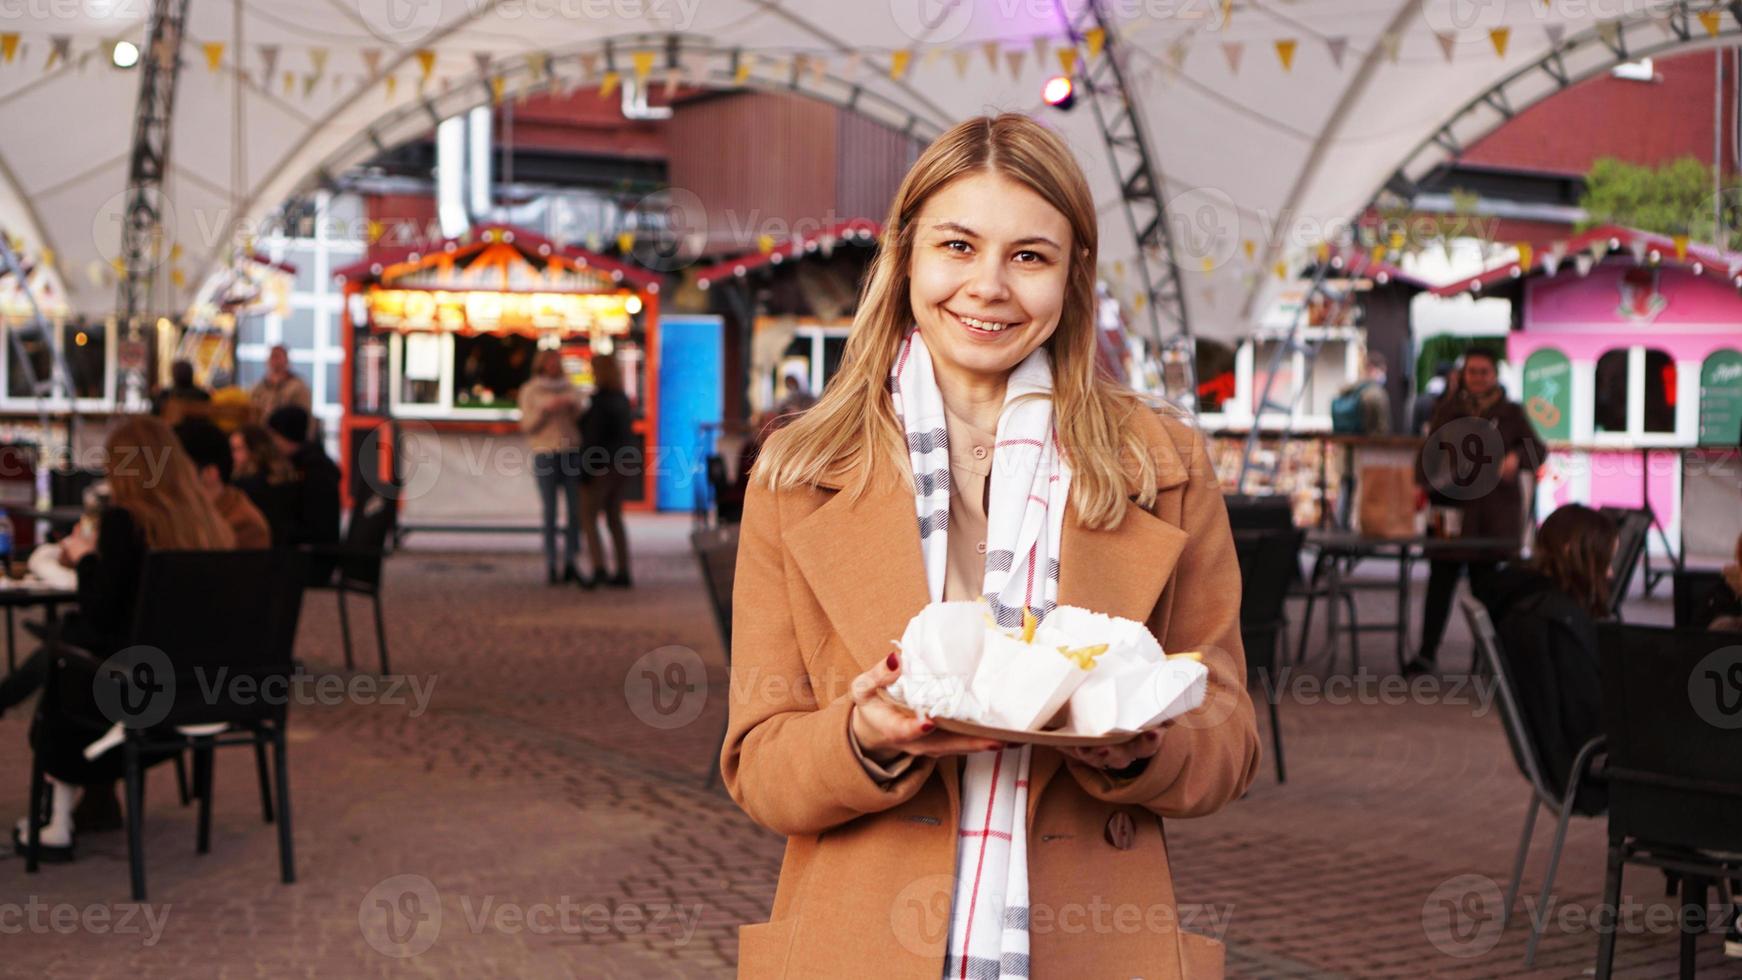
643, 64
1067, 60
589, 65
625, 239
1499, 36
268, 61
1177, 49
308, 84
1096, 39
1556, 34
392, 86
1251, 248
9, 46
1014, 59
1280, 269
1681, 248
1551, 264
608, 83
898, 62
1040, 49
990, 50
59, 52
538, 62
371, 61
426, 61
1233, 50
1448, 42
742, 74
1525, 254
482, 60
1285, 53
1666, 24
1637, 246
1338, 47
1711, 20
214, 54
1583, 262
498, 85
1227, 13
318, 58
930, 58
1610, 32
961, 56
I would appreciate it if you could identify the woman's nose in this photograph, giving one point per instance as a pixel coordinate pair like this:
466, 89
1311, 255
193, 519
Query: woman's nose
987, 281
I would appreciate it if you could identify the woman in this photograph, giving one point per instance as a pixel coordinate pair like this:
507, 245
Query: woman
966, 444
156, 502
609, 461
550, 410
1493, 444
1546, 614
262, 472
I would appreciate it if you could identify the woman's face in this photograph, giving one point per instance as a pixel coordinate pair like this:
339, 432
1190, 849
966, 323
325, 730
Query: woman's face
239, 452
988, 270
551, 367
1480, 376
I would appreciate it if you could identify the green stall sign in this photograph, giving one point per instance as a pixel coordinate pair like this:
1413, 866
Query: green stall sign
1548, 393
1721, 399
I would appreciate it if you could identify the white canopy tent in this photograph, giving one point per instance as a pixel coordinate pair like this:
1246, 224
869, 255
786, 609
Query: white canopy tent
1273, 123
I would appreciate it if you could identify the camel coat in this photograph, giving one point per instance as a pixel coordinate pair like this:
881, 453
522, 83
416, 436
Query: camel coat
824, 585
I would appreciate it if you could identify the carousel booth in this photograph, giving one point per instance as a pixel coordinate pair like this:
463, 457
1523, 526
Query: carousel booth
437, 347
1629, 362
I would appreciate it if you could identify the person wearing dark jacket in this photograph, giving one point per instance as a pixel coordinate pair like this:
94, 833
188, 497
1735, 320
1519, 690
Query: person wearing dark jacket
316, 517
608, 461
158, 503
1494, 445
1546, 613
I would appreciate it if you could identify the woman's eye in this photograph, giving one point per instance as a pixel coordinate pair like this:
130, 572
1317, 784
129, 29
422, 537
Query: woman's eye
1030, 258
957, 245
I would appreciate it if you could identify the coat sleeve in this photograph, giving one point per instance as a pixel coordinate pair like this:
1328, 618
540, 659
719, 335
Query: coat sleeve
788, 761
1208, 757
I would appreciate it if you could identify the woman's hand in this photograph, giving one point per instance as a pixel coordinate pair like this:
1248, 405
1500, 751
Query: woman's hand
885, 732
74, 547
1140, 746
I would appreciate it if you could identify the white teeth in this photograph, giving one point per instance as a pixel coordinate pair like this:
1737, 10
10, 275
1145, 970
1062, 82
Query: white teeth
988, 325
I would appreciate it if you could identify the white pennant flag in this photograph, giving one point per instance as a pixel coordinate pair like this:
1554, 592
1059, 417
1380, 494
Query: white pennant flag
1338, 46
1233, 50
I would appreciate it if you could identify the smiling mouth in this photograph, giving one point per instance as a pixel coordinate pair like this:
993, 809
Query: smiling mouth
980, 325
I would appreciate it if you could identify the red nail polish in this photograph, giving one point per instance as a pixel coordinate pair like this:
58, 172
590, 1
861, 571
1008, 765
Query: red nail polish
926, 726
893, 662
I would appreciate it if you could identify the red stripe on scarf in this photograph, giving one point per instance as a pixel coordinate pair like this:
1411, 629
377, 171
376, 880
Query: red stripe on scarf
980, 864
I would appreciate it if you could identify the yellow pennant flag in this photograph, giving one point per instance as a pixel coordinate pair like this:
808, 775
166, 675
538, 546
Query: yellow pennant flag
765, 243
643, 62
175, 251
214, 54
1499, 36
961, 57
318, 58
1711, 20
742, 74
1251, 249
1281, 270
1209, 264
898, 61
47, 256
426, 61
375, 228
625, 239
1227, 12
1096, 38
1285, 53
608, 83
392, 86
1681, 248
9, 46
289, 82
178, 277
1067, 60
497, 86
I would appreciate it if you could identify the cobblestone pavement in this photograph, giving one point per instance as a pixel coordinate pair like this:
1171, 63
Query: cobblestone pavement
527, 804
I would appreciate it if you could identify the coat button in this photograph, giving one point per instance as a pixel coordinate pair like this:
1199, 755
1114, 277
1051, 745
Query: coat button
979, 452
1121, 832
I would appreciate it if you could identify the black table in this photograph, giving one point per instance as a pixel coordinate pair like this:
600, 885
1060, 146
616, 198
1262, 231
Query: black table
1340, 551
24, 597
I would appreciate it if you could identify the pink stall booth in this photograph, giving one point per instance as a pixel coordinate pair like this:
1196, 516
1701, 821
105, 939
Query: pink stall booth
1626, 351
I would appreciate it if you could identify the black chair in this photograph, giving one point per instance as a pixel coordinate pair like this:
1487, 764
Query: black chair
210, 618
1699, 594
1673, 713
716, 551
1632, 525
1528, 756
355, 566
1252, 512
1268, 560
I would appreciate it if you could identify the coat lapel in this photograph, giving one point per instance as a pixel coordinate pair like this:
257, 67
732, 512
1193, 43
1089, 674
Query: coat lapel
863, 563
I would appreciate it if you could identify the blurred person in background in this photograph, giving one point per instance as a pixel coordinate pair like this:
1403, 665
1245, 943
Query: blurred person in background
209, 449
157, 502
315, 516
550, 415
262, 472
279, 387
608, 462
182, 390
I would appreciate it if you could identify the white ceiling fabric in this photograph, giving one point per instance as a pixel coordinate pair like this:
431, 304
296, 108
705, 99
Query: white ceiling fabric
1251, 152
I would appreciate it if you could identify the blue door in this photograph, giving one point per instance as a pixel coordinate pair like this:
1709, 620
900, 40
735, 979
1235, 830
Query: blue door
691, 391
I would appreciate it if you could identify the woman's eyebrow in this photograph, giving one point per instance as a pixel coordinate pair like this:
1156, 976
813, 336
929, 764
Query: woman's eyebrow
961, 229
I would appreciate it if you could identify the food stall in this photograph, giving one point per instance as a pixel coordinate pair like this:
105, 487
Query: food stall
1628, 364
437, 346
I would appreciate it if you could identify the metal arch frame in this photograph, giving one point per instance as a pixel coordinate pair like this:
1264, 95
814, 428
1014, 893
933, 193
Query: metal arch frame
141, 220
1134, 170
1576, 59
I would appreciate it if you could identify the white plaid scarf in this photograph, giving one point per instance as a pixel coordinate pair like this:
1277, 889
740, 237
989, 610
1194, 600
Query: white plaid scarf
1024, 519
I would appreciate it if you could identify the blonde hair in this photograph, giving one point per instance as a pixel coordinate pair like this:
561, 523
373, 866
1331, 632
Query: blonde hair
152, 478
853, 430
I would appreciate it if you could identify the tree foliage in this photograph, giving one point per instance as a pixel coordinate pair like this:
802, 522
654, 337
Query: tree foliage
1677, 198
